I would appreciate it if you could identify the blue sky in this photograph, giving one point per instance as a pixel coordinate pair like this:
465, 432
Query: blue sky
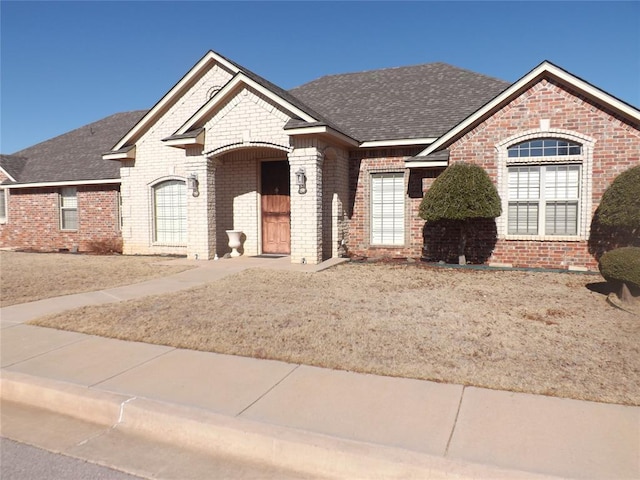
66, 64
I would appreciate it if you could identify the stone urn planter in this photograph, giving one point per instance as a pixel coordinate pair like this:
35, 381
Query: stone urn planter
235, 241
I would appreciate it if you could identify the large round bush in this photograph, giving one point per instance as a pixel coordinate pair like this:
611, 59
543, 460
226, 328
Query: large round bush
620, 204
462, 192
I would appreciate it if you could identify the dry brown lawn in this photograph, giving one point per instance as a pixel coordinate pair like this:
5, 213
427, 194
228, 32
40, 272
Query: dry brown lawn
26, 277
544, 333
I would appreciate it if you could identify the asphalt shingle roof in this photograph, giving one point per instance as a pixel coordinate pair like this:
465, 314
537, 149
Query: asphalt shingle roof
388, 104
73, 156
12, 164
396, 103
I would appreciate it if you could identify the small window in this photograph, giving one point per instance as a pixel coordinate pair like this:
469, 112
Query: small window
3, 206
387, 209
69, 208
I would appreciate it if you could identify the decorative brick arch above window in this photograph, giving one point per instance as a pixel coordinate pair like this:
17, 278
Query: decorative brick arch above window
545, 182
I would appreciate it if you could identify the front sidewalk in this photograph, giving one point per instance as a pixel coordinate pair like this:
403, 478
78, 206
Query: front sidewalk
325, 421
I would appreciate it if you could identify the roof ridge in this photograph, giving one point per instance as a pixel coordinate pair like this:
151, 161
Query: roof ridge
401, 67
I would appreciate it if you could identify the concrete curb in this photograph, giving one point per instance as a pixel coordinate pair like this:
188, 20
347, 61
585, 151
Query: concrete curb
67, 399
188, 427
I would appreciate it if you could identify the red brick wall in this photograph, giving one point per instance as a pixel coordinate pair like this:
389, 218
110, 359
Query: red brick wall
362, 165
617, 148
34, 219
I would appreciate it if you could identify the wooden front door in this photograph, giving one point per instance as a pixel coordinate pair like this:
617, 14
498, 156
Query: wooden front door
276, 207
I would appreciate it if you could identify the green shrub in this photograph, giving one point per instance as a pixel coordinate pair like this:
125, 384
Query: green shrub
461, 196
620, 204
616, 221
621, 265
462, 192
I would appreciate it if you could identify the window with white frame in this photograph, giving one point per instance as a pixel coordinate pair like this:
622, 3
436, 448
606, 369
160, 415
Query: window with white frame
69, 208
119, 210
387, 209
170, 212
3, 205
543, 190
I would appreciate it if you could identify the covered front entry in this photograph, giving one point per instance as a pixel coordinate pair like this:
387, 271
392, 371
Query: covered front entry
276, 207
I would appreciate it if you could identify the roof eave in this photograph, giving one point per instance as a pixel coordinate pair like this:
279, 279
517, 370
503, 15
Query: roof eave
399, 142
126, 153
63, 183
323, 130
194, 138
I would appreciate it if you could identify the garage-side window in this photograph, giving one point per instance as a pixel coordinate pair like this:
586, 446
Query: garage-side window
69, 208
3, 206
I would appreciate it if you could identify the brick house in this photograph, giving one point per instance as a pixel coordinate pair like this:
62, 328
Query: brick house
339, 165
60, 194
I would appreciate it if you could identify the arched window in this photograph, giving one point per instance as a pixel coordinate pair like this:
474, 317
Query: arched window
545, 147
170, 212
544, 185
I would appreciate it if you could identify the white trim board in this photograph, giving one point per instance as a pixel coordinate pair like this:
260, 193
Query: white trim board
70, 183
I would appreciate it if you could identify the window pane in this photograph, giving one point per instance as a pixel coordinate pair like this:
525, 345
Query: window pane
562, 182
524, 183
69, 219
549, 147
387, 209
69, 197
3, 205
561, 218
523, 218
69, 208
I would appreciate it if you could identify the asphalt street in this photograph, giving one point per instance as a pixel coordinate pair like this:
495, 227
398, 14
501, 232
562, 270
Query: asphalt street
19, 461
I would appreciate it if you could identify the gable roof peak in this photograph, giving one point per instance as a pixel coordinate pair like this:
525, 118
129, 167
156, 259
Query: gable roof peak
545, 70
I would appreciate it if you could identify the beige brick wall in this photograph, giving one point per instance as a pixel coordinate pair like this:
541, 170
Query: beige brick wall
306, 210
156, 161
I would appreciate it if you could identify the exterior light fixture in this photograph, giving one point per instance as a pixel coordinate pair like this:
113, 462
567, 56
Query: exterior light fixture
301, 181
192, 184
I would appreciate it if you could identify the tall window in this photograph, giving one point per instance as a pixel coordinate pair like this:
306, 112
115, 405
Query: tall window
3, 205
170, 212
544, 196
69, 208
119, 209
387, 209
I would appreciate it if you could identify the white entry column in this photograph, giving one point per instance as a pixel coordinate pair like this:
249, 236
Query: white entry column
201, 212
306, 208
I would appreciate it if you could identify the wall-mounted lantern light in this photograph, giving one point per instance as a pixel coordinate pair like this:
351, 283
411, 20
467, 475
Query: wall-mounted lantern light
301, 181
192, 184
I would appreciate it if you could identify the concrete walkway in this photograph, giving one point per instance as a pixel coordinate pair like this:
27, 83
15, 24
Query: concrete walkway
319, 421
